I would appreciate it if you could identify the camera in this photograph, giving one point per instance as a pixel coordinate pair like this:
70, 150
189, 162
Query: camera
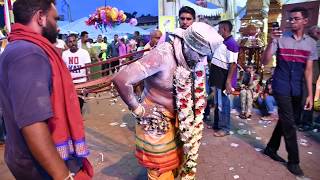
275, 26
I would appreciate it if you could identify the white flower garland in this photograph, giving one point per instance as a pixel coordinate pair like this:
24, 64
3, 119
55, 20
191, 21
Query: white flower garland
190, 120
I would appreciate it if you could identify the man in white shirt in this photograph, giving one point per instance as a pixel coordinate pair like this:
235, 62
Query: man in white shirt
75, 58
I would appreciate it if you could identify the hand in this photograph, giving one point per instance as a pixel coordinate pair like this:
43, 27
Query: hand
146, 111
276, 33
309, 103
229, 88
153, 112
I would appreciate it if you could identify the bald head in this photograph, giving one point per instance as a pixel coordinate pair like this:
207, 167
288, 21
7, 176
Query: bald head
155, 37
314, 32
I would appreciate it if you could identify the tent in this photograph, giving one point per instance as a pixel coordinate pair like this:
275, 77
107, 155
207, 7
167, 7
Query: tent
79, 25
201, 10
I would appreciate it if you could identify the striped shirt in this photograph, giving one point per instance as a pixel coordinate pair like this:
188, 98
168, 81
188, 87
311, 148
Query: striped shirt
292, 56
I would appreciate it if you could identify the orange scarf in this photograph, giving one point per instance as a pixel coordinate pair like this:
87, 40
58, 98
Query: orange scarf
66, 125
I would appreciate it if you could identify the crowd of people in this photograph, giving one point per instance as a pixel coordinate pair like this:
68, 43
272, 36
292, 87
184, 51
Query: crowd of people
40, 107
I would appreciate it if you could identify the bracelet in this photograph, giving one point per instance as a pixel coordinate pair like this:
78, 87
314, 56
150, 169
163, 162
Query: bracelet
70, 176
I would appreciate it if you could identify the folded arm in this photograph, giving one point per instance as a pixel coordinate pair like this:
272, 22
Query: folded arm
135, 72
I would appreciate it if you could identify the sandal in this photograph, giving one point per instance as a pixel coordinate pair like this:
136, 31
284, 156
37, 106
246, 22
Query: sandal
243, 116
220, 134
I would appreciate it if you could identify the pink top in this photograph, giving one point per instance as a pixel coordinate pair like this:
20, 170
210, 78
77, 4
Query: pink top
122, 49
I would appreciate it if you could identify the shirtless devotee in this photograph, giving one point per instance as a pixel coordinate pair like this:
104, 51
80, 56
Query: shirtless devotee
169, 71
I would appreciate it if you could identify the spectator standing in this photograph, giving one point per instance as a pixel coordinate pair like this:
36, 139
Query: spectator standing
45, 131
295, 54
223, 66
113, 51
306, 123
101, 47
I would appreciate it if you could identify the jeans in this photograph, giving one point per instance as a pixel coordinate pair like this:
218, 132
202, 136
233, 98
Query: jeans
208, 90
289, 113
2, 128
267, 105
221, 111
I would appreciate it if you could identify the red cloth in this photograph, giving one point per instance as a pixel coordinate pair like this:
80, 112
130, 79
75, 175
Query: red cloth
66, 125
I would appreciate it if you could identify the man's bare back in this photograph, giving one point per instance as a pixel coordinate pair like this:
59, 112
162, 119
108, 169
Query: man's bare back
156, 69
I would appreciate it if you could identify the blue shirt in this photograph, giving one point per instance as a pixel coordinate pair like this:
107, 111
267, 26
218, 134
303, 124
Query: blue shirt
25, 80
292, 56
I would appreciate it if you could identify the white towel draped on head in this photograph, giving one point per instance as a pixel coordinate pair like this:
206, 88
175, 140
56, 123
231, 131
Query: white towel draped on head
202, 38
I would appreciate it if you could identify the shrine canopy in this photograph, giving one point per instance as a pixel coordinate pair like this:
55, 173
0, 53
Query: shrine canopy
201, 10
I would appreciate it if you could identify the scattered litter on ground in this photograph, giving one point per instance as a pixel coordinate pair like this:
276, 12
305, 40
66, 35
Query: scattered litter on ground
231, 132
123, 110
309, 152
258, 149
303, 142
237, 117
236, 177
241, 167
265, 123
241, 124
258, 138
204, 143
242, 131
302, 178
231, 168
113, 124
101, 155
235, 145
315, 130
248, 119
113, 104
123, 125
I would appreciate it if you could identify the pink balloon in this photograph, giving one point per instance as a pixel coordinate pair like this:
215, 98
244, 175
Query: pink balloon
133, 21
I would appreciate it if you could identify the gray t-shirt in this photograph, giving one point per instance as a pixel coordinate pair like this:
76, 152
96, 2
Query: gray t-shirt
25, 83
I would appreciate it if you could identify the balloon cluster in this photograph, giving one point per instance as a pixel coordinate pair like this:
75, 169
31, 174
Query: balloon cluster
106, 17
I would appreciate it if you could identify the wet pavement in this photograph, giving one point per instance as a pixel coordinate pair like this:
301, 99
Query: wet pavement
110, 135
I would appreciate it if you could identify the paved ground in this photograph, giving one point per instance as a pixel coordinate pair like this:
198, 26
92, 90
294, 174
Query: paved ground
110, 133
